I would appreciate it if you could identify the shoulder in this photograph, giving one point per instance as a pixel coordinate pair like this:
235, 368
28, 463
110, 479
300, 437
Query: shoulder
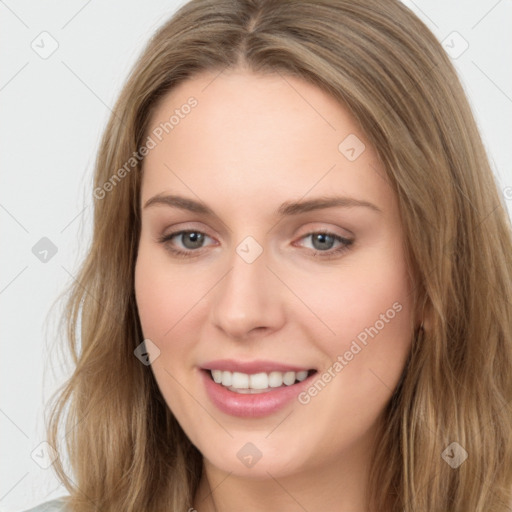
56, 505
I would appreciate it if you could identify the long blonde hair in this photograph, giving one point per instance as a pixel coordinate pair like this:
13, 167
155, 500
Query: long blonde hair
126, 450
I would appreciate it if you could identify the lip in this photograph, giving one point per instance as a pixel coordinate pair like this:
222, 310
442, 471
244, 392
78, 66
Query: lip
251, 405
250, 367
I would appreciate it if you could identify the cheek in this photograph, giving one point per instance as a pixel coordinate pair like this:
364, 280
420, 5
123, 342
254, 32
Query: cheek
373, 335
364, 315
154, 297
164, 294
370, 314
373, 301
165, 304
372, 287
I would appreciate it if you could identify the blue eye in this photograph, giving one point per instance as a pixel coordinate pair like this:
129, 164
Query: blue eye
192, 239
192, 242
324, 241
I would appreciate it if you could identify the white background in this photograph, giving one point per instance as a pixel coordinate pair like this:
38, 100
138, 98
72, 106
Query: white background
53, 113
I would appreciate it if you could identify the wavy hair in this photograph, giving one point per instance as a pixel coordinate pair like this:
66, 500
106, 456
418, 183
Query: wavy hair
126, 450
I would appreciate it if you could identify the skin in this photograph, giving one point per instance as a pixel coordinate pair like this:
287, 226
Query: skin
252, 143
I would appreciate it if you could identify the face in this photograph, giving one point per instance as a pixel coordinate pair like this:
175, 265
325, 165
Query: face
271, 252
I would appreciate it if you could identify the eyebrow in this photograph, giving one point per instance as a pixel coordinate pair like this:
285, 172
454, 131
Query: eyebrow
288, 208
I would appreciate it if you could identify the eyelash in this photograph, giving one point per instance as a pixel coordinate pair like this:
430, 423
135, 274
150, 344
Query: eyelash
331, 253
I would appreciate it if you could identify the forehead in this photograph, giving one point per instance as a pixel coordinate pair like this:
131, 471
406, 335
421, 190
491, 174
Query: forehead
250, 135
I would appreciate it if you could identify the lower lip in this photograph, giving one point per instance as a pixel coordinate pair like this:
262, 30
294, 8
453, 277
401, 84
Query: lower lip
251, 405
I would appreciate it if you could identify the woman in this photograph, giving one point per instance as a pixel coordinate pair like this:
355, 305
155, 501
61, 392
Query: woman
298, 292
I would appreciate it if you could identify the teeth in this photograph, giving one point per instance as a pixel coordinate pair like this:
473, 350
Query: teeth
275, 379
289, 378
256, 381
227, 377
302, 375
238, 380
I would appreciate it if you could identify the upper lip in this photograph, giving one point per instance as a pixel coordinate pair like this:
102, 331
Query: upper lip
250, 367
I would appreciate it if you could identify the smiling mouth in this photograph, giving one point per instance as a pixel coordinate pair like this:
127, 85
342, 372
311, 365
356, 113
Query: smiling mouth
262, 382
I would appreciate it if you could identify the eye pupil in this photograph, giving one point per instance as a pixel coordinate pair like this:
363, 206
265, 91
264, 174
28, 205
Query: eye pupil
326, 241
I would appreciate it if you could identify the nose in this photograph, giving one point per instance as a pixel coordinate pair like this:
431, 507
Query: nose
248, 299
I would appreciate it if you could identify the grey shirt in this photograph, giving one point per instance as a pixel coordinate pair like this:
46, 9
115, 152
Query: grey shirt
56, 505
